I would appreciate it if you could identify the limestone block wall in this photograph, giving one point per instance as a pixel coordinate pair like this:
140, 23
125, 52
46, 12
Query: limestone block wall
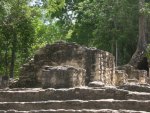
27, 76
140, 75
107, 67
98, 64
62, 77
135, 75
120, 78
103, 69
61, 53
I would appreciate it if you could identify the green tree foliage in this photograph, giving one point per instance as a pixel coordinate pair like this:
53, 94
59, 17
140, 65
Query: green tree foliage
26, 25
46, 27
16, 32
102, 23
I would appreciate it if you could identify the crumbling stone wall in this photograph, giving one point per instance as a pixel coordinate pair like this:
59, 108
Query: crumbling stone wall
120, 78
64, 65
98, 64
102, 67
62, 77
4, 81
134, 75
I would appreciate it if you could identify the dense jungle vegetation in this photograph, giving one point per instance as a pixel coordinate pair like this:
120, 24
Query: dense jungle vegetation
26, 25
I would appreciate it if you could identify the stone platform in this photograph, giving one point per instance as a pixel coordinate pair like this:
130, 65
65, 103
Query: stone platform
69, 78
87, 65
75, 100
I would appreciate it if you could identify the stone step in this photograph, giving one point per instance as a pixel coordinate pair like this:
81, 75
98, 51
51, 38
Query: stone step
137, 88
78, 105
138, 96
74, 111
37, 94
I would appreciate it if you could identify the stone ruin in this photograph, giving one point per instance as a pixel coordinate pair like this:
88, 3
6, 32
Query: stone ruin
65, 65
69, 78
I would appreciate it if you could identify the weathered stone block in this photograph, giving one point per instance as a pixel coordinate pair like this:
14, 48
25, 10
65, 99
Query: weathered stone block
104, 67
128, 69
96, 84
143, 77
63, 77
135, 87
140, 75
4, 81
134, 75
120, 77
148, 80
132, 81
99, 65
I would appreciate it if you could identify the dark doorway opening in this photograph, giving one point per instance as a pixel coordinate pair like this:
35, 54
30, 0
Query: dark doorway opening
143, 65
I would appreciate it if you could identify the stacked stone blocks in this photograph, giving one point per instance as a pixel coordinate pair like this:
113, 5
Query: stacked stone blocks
64, 65
89, 64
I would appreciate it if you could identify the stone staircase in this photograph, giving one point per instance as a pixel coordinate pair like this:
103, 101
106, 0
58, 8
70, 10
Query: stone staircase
76, 100
89, 71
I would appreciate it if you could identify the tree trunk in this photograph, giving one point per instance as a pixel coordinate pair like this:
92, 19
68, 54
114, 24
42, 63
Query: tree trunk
13, 54
14, 46
148, 29
6, 61
142, 42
